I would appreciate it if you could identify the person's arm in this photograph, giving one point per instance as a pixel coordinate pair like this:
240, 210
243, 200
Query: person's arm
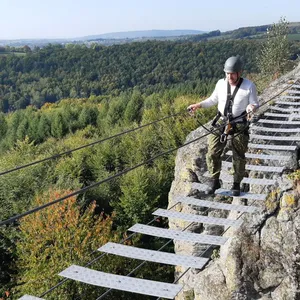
253, 100
212, 100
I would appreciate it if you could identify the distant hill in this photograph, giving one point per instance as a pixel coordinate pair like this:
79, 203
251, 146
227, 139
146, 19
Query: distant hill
108, 39
251, 32
142, 34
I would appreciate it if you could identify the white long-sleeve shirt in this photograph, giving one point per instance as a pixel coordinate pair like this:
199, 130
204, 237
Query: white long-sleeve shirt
246, 95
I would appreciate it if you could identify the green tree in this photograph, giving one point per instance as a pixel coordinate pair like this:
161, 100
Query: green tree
22, 129
44, 128
58, 126
88, 116
138, 196
3, 126
53, 239
133, 111
275, 51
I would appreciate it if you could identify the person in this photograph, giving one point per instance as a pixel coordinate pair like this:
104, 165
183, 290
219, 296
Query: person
236, 97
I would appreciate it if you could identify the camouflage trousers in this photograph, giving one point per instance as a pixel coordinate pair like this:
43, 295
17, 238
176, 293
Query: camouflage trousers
239, 145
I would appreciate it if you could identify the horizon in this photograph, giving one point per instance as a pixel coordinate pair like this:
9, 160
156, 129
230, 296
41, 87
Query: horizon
106, 33
71, 19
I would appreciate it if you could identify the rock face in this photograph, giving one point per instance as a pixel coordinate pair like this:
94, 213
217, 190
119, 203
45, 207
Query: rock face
261, 260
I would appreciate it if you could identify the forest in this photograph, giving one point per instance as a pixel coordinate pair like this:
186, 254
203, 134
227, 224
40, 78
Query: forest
77, 71
61, 106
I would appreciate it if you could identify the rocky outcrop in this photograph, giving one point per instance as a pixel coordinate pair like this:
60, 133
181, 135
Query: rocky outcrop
261, 260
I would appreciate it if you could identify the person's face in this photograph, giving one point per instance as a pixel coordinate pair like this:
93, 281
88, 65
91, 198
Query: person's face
233, 78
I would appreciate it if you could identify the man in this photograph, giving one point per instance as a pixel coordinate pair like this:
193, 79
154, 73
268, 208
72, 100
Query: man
235, 97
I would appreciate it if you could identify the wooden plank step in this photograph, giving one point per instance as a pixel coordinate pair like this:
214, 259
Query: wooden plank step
171, 214
123, 283
154, 256
228, 164
293, 138
216, 205
179, 235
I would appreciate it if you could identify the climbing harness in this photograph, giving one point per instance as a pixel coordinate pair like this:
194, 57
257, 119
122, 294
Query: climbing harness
226, 122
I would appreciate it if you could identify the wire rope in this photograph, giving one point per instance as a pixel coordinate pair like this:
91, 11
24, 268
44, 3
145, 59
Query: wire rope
121, 173
88, 145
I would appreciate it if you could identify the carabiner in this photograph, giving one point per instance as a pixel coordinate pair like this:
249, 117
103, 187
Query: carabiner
223, 138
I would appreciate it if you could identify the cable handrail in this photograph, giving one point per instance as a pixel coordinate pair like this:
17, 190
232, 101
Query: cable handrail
88, 145
144, 262
119, 174
114, 136
208, 247
80, 191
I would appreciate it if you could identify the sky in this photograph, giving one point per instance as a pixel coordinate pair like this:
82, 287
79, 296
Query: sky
32, 19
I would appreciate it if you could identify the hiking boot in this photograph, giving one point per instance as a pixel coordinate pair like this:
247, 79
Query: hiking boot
236, 189
213, 185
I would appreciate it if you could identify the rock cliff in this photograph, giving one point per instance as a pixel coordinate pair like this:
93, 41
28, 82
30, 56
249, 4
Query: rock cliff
261, 260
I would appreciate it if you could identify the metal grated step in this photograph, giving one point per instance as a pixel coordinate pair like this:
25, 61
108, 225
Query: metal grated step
249, 196
293, 91
290, 97
278, 122
295, 86
285, 109
123, 283
288, 103
226, 177
290, 116
225, 192
215, 205
28, 297
269, 129
247, 180
272, 147
154, 256
293, 138
256, 167
171, 214
179, 235
263, 156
